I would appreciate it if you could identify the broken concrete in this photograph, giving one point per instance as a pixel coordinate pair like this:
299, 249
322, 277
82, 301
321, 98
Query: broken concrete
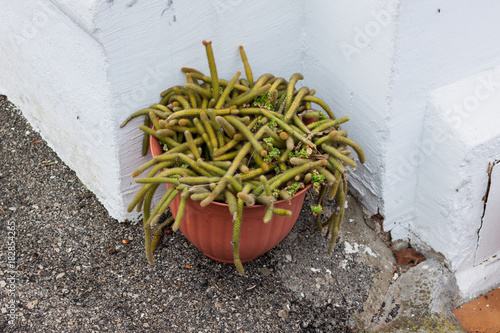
419, 301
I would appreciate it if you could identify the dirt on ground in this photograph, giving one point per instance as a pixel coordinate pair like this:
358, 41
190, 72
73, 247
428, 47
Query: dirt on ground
67, 266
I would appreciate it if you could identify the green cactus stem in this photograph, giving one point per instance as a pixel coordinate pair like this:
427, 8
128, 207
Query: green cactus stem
282, 212
248, 198
290, 88
157, 180
192, 146
338, 216
230, 145
143, 168
321, 103
193, 88
180, 211
145, 138
300, 124
192, 99
209, 166
159, 233
310, 114
138, 197
334, 165
291, 173
248, 135
226, 126
335, 153
245, 98
321, 202
335, 185
246, 65
295, 104
213, 69
226, 157
147, 230
183, 102
355, 146
207, 124
329, 123
163, 204
236, 237
189, 112
194, 166
227, 90
234, 183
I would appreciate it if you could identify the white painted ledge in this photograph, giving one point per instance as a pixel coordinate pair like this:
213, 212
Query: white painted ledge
460, 141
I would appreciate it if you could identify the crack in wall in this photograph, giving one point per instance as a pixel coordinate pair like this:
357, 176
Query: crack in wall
489, 171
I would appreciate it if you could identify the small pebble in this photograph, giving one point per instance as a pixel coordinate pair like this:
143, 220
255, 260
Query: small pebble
264, 271
31, 305
283, 314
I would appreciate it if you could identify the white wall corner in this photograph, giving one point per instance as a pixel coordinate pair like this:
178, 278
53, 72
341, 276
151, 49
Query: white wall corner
342, 69
56, 72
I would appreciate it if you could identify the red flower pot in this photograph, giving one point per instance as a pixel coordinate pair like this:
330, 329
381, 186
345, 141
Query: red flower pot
210, 228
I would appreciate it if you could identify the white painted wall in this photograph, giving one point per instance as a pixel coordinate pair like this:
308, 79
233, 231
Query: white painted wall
434, 47
57, 74
387, 64
350, 51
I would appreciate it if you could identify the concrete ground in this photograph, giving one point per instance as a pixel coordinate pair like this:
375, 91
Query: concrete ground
70, 267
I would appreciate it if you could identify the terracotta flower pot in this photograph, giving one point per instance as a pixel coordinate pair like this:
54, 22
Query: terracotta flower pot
210, 228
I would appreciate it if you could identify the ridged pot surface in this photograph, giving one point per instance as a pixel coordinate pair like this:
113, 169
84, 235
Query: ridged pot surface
210, 228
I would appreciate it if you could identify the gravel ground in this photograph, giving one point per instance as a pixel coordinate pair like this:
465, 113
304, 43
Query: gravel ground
72, 272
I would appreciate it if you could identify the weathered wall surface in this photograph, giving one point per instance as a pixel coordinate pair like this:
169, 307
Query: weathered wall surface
350, 51
434, 48
454, 207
